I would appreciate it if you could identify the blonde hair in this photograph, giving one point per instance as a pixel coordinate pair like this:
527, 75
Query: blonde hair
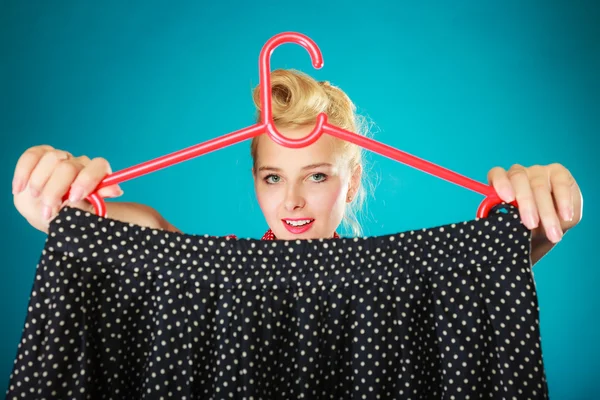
297, 99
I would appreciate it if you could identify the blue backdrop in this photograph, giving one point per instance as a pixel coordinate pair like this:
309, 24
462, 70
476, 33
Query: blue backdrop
467, 85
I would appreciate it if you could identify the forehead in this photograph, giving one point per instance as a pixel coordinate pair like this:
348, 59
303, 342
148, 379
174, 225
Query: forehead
269, 153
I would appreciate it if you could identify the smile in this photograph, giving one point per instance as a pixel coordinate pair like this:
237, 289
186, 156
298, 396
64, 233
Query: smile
298, 226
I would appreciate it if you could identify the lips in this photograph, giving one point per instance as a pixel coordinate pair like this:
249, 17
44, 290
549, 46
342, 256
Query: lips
298, 225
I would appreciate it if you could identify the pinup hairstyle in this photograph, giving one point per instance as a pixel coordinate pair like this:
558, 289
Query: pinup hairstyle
297, 99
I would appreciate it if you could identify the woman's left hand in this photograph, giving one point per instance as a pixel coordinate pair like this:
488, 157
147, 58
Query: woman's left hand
547, 194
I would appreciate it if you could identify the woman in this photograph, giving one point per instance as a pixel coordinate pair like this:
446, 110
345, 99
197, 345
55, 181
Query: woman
303, 193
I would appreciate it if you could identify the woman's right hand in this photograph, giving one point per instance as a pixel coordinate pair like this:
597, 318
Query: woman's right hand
43, 175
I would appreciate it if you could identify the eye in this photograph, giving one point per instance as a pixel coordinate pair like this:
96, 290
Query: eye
319, 177
270, 179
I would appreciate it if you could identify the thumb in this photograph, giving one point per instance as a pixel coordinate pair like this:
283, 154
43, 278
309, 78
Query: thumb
111, 191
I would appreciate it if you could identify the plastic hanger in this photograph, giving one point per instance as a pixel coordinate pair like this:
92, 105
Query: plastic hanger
267, 126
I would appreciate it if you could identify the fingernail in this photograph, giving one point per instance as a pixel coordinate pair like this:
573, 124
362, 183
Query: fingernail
76, 194
34, 192
46, 212
530, 220
17, 186
507, 194
567, 214
555, 234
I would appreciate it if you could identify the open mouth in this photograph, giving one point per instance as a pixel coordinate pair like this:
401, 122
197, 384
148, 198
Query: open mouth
298, 226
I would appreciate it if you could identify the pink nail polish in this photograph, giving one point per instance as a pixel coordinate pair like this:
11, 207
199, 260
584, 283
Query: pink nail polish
17, 186
508, 195
531, 221
555, 234
567, 214
76, 194
46, 212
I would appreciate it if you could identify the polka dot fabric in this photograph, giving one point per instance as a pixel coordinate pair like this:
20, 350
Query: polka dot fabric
119, 311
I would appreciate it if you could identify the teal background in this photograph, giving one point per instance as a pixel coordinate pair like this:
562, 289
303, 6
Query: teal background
465, 84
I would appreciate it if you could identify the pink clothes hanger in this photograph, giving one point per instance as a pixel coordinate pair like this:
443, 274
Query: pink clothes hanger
267, 126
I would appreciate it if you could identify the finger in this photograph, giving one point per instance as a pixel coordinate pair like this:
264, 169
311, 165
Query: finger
110, 191
48, 212
84, 205
25, 165
44, 169
498, 178
51, 213
562, 183
90, 177
540, 185
58, 184
524, 195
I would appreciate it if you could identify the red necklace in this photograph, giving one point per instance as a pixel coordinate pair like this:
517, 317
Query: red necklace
270, 236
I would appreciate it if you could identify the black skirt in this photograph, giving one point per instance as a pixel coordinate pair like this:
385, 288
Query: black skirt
119, 311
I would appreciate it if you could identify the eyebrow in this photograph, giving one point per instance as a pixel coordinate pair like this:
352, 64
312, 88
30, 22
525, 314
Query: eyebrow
310, 166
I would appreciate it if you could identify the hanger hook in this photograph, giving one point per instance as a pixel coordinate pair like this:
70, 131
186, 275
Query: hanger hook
491, 201
265, 87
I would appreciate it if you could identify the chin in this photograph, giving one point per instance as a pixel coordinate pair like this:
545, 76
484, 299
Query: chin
285, 232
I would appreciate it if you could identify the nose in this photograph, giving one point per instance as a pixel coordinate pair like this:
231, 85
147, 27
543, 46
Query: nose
293, 199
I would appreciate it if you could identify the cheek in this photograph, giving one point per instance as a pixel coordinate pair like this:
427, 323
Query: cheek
268, 200
329, 198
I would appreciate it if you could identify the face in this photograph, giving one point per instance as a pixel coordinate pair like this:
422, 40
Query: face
303, 192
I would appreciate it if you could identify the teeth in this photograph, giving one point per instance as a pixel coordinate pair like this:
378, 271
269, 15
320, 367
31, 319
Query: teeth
298, 223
